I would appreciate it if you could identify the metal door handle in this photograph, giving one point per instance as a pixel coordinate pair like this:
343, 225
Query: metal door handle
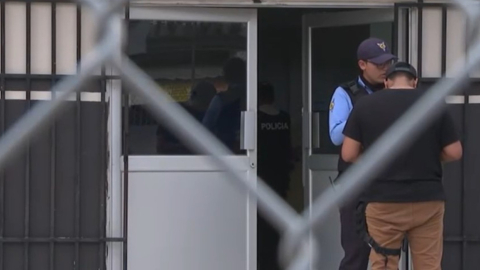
316, 130
247, 131
305, 133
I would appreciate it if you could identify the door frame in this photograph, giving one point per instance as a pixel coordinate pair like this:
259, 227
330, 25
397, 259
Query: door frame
319, 20
116, 206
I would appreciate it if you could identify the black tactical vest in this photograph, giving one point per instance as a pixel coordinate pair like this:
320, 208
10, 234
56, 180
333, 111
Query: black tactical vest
354, 91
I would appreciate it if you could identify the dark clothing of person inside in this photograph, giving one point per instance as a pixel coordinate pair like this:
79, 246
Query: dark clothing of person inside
168, 143
200, 97
274, 166
416, 174
223, 116
274, 155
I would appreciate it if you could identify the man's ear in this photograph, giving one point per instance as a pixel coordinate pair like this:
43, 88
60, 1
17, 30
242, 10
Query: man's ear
415, 83
362, 64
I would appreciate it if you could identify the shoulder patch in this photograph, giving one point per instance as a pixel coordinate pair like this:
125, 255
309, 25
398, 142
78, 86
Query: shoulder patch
332, 104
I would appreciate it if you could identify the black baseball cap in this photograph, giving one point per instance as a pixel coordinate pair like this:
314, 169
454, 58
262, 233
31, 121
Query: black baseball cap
401, 67
375, 50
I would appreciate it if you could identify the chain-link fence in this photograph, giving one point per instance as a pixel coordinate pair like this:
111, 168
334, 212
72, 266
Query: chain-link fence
297, 249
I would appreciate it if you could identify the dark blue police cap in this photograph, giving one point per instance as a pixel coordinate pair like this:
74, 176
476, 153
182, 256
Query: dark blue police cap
374, 50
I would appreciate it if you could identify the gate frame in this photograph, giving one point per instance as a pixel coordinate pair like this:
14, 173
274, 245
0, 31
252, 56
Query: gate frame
54, 77
414, 27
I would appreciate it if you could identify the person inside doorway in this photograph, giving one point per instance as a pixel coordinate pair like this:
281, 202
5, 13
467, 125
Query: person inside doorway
374, 58
407, 198
223, 115
197, 104
274, 166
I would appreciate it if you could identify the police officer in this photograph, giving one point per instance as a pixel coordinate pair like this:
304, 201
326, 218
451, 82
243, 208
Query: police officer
407, 198
274, 166
374, 58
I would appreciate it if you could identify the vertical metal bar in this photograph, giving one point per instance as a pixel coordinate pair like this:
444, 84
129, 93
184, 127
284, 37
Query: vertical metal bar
194, 49
103, 169
125, 102
78, 146
419, 71
464, 183
469, 39
444, 45
27, 154
125, 157
419, 38
395, 38
444, 40
53, 145
2, 107
407, 35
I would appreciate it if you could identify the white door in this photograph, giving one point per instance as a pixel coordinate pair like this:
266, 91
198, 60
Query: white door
330, 43
183, 212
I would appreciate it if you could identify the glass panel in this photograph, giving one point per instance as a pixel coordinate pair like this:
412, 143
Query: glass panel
334, 61
202, 66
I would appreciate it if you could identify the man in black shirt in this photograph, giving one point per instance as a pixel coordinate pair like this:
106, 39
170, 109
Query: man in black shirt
407, 198
274, 166
274, 141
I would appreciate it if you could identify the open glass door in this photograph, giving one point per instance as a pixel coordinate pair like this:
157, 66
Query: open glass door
330, 43
182, 211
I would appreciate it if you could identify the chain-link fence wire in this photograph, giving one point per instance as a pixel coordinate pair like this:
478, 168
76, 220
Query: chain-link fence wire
297, 249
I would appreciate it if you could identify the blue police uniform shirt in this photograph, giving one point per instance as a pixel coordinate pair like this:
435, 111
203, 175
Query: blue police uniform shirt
340, 108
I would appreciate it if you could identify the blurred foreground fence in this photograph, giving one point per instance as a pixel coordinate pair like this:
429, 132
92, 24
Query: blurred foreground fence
297, 249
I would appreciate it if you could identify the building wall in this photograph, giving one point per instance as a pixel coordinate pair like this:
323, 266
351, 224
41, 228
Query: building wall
53, 195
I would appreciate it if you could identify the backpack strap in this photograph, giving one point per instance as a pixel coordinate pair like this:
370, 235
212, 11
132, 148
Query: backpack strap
352, 86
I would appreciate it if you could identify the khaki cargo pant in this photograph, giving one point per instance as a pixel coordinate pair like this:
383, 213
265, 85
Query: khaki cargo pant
421, 222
